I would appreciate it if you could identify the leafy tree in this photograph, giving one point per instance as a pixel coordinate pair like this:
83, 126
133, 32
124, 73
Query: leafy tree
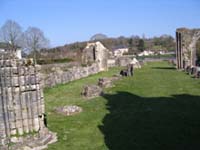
133, 43
130, 42
166, 42
141, 46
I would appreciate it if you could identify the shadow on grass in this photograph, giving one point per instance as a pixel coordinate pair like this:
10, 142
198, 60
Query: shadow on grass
159, 123
167, 68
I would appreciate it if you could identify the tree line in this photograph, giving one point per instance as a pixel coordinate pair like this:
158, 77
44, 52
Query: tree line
34, 42
31, 40
135, 44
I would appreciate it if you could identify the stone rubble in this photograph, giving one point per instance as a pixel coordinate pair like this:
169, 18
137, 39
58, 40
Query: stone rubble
106, 82
91, 91
69, 110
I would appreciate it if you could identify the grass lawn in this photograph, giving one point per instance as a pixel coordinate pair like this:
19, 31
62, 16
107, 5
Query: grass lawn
157, 109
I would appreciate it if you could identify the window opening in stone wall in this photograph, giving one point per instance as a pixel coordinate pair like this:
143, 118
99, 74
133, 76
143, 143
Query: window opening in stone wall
94, 54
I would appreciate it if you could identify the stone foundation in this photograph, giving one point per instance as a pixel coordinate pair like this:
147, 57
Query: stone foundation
106, 82
91, 91
69, 110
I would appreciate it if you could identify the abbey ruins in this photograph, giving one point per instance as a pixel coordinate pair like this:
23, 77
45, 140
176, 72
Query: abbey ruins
186, 40
22, 111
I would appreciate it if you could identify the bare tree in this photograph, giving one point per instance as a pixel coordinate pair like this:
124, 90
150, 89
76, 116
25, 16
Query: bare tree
34, 41
10, 33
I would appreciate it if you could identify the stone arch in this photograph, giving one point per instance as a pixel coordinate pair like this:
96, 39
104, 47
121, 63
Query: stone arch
186, 40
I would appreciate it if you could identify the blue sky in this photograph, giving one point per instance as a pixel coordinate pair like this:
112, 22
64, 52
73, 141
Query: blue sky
66, 21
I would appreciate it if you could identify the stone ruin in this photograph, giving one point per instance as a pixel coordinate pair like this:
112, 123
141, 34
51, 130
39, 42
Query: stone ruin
22, 111
106, 82
96, 53
91, 91
68, 110
126, 60
186, 40
60, 76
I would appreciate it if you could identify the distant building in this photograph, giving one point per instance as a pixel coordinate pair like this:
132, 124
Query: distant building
2, 50
119, 52
146, 53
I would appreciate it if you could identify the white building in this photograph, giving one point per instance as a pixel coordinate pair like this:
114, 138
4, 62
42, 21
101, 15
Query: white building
119, 52
2, 50
146, 53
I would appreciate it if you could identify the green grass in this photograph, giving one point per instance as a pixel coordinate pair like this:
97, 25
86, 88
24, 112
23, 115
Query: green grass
158, 108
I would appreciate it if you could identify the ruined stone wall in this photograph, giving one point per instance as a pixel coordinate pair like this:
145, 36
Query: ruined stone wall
59, 76
21, 100
186, 47
111, 63
123, 61
96, 53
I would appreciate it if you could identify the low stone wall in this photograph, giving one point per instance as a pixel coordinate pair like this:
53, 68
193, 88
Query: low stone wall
123, 61
111, 63
59, 76
47, 68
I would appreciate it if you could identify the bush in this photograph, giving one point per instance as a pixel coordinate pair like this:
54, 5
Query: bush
52, 61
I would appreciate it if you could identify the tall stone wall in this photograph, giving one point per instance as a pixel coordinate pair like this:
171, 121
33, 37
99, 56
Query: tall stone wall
96, 53
21, 100
186, 47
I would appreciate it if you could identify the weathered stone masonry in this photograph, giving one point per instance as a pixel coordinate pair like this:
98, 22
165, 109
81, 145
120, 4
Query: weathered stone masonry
96, 53
186, 47
59, 76
21, 100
